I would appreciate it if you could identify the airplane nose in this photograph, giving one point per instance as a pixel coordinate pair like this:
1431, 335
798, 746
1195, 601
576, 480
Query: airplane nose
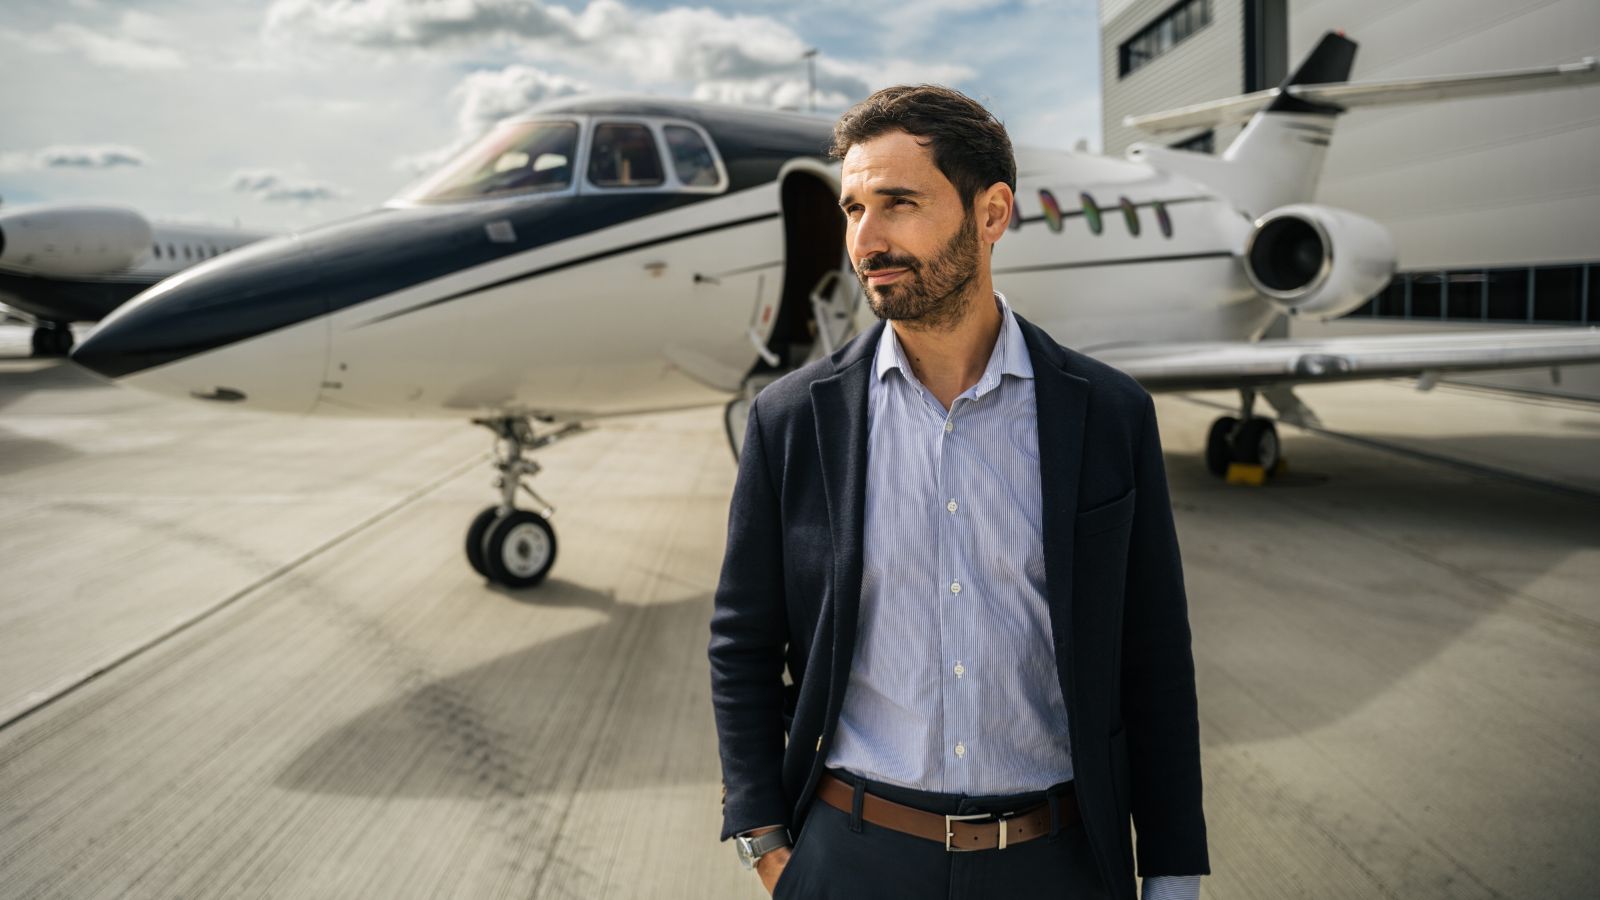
243, 327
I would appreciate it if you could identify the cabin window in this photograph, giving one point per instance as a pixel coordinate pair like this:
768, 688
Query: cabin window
157, 248
515, 158
624, 155
691, 158
1091, 214
1052, 209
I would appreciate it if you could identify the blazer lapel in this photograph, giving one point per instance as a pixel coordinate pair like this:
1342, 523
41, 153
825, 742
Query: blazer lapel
1062, 400
839, 403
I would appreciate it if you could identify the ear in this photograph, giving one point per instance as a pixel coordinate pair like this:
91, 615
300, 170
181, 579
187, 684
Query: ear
994, 211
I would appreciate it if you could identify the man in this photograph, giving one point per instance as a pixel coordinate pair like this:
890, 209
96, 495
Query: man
956, 536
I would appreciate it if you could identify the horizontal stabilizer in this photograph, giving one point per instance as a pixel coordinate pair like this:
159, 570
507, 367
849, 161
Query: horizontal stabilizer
1235, 364
1351, 94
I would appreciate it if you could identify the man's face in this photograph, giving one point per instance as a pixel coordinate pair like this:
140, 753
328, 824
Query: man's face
914, 244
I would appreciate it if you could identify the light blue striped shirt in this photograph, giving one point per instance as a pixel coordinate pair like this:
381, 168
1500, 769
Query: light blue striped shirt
953, 686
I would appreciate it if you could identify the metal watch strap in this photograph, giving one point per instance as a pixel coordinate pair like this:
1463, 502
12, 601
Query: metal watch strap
763, 844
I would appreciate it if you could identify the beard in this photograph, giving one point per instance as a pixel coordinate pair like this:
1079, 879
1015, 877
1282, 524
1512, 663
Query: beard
930, 295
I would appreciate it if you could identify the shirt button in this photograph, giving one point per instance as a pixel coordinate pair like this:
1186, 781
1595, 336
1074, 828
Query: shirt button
960, 670
949, 425
955, 587
951, 505
961, 750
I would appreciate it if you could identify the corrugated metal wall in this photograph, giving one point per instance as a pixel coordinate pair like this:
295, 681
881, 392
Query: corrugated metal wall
1207, 66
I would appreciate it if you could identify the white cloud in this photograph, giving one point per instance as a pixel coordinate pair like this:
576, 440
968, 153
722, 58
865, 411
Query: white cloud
137, 47
275, 187
487, 96
411, 23
728, 57
103, 156
484, 98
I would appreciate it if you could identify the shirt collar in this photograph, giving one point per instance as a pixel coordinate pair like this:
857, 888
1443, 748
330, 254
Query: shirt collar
1009, 356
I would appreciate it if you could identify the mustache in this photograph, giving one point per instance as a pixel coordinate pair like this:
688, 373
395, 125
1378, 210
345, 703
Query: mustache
885, 261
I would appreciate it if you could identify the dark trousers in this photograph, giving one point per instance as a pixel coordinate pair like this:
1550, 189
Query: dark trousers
839, 856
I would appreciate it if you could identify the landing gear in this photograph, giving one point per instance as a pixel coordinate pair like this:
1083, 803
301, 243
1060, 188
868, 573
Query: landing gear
1244, 449
52, 339
515, 547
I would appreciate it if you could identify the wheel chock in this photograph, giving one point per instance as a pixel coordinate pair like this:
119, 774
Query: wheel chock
1246, 473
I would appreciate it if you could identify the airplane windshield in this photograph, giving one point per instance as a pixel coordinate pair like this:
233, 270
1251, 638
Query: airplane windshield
515, 158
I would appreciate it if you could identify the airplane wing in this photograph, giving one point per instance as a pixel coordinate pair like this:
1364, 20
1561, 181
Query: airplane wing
1268, 363
1351, 94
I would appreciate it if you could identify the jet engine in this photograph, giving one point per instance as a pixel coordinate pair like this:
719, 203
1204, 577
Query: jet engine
66, 242
1317, 260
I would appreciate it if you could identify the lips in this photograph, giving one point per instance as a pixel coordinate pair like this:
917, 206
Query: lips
884, 276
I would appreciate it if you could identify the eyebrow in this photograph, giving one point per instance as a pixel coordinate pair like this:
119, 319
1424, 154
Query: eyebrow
884, 191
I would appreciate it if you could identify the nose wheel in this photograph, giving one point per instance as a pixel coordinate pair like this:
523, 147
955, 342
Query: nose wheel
514, 547
1244, 449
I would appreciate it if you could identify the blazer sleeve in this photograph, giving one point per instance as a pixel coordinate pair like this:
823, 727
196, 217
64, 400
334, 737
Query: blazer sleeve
749, 632
1158, 690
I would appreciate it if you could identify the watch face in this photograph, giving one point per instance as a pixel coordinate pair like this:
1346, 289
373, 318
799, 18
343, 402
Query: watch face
746, 855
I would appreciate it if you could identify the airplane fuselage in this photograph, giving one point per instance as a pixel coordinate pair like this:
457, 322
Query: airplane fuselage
594, 301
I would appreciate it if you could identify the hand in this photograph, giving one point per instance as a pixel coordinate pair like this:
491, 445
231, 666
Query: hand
770, 867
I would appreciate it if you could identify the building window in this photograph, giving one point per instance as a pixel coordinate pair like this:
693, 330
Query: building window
1169, 30
1555, 295
1204, 142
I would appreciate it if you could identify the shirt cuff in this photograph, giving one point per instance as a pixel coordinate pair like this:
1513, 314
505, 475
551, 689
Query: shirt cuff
1172, 887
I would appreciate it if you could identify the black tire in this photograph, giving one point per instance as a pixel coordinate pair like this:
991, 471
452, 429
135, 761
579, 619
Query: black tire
476, 532
1257, 444
519, 549
52, 340
1219, 446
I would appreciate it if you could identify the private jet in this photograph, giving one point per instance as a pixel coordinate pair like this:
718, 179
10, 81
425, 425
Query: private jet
610, 256
63, 263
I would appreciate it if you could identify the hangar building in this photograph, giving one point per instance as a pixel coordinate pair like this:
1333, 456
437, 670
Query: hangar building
1494, 202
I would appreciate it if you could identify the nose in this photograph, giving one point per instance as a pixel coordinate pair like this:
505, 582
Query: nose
246, 326
866, 238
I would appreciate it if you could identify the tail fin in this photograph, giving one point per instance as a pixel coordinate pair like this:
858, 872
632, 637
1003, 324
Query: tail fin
1277, 159
1329, 63
1281, 151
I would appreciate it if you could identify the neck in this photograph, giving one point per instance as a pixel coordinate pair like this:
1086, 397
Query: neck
950, 359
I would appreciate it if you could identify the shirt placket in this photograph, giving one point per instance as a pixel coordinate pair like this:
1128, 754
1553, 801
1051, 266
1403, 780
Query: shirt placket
956, 605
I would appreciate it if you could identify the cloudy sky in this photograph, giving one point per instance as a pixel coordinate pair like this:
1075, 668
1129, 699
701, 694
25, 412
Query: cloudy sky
284, 113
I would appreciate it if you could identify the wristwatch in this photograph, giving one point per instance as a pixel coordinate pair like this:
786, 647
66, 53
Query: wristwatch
753, 848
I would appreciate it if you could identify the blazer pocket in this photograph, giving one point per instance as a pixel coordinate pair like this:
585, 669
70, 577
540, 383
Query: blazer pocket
1107, 516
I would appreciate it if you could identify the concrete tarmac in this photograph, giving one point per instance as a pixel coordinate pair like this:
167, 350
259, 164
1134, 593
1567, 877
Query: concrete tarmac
244, 656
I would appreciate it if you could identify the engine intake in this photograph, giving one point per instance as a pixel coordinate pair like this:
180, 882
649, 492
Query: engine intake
1317, 260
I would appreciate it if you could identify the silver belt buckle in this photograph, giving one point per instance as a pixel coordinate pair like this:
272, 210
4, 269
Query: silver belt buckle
949, 832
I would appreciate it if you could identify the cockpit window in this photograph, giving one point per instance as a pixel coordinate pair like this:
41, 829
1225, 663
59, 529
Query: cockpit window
515, 158
624, 155
691, 158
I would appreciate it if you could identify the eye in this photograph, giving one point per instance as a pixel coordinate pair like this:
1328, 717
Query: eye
903, 200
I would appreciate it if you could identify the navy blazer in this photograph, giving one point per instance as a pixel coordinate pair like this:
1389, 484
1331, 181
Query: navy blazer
790, 590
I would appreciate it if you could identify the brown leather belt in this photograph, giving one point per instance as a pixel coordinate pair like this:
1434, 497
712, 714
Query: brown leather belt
956, 833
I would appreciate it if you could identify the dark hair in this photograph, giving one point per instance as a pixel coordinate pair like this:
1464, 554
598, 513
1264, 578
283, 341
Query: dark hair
969, 144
